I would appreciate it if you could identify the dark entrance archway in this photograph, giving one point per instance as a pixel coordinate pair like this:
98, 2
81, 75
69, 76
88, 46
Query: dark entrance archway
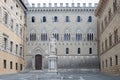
38, 62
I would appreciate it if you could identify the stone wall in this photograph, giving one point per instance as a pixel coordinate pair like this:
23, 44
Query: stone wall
65, 61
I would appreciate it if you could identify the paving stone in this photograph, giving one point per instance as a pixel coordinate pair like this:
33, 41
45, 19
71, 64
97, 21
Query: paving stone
67, 75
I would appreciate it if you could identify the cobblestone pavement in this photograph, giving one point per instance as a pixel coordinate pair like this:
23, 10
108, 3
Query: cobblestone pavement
66, 75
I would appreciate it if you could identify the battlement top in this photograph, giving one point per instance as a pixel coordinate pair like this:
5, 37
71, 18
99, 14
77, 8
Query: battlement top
64, 5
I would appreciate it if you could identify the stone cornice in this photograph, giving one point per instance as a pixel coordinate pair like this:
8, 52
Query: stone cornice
59, 9
101, 6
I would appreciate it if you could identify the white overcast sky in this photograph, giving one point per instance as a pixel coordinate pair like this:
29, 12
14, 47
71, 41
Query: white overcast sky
63, 1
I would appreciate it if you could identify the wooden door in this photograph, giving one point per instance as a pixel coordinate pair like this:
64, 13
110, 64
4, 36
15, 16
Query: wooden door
38, 62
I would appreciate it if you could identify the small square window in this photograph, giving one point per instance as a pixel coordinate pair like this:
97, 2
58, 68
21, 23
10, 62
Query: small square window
21, 67
16, 66
44, 18
79, 50
116, 60
110, 61
67, 19
90, 19
5, 43
78, 19
11, 46
55, 19
90, 50
4, 63
6, 18
11, 65
67, 50
33, 19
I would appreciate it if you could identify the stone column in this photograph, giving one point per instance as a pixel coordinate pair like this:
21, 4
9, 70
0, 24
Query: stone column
42, 62
33, 62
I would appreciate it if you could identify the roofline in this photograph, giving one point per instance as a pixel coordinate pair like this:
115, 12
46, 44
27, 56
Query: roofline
22, 3
100, 7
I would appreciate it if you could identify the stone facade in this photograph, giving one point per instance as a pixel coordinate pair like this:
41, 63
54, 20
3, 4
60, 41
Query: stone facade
108, 13
12, 36
74, 28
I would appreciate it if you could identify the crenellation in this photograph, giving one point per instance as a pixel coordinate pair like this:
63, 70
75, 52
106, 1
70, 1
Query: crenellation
55, 5
33, 4
44, 4
38, 4
61, 4
84, 4
67, 4
67, 9
78, 4
50, 4
73, 4
64, 5
62, 9
90, 4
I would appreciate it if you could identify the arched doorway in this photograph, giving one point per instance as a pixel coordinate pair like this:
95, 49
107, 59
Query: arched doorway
38, 62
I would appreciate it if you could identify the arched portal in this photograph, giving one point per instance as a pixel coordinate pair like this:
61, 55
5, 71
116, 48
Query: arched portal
38, 62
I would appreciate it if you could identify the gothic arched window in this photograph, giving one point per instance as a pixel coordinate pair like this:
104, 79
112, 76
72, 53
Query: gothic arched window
32, 35
90, 36
56, 36
67, 36
44, 37
78, 36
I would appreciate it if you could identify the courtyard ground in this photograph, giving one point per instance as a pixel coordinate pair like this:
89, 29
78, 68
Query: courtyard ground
64, 75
